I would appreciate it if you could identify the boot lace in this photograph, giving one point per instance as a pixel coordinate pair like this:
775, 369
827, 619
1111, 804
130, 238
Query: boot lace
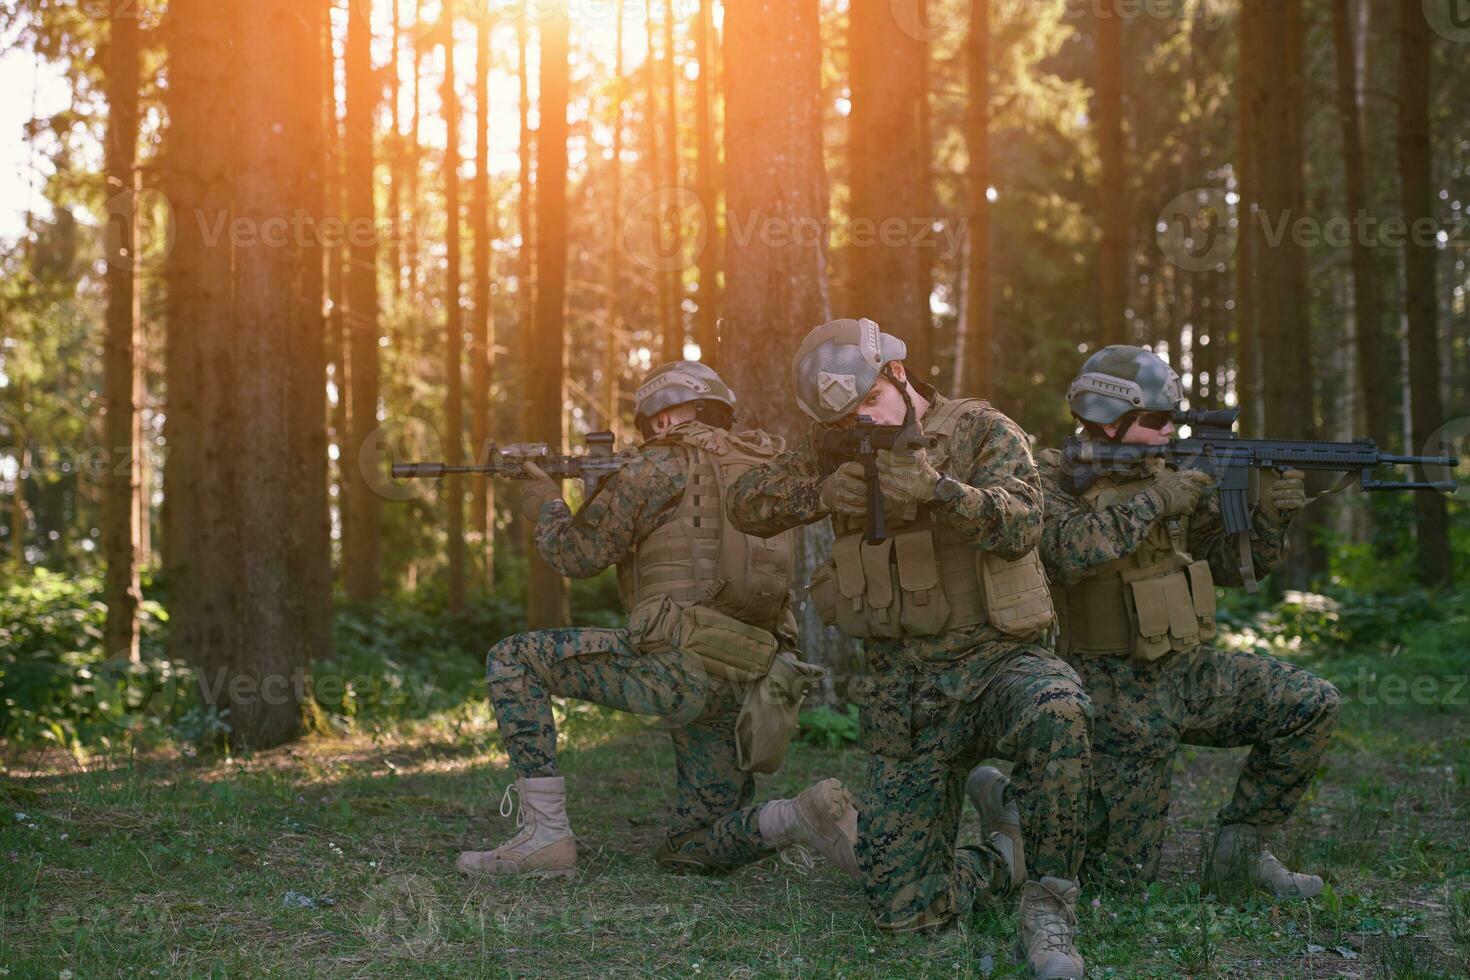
798, 857
510, 803
1055, 922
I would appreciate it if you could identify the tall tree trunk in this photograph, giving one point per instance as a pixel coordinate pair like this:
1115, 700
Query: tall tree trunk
547, 603
482, 344
776, 291
395, 156
673, 276
1113, 249
706, 332
415, 151
1279, 327
656, 176
360, 558
1250, 89
309, 531
1416, 185
335, 273
886, 160
1367, 310
612, 368
522, 532
453, 326
120, 382
928, 212
979, 307
201, 540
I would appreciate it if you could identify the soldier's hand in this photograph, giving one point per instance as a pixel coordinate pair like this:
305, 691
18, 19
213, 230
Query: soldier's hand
538, 489
906, 476
845, 491
1285, 495
1180, 491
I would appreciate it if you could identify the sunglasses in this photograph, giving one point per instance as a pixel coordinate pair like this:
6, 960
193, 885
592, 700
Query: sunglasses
1153, 420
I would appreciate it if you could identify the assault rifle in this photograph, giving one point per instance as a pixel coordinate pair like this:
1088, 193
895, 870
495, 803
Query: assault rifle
592, 467
860, 443
1213, 448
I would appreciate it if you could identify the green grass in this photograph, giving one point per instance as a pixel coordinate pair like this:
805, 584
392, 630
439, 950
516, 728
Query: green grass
335, 857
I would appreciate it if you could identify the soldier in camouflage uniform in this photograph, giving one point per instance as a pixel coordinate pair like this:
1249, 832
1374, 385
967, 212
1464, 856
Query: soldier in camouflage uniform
952, 608
1134, 562
710, 622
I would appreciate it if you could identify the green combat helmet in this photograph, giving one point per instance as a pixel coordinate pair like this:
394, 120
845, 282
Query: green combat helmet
1121, 379
838, 364
679, 383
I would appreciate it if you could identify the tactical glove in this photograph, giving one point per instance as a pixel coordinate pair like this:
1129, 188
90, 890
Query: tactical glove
540, 489
906, 477
1282, 496
845, 491
1179, 492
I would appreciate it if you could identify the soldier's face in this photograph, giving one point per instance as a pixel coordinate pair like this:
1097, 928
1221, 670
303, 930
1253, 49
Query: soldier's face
1142, 435
884, 404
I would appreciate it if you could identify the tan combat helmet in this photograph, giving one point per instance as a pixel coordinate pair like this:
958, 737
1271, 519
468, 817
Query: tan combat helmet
679, 383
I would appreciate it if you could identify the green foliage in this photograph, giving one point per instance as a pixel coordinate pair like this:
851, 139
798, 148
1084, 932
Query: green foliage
828, 727
56, 683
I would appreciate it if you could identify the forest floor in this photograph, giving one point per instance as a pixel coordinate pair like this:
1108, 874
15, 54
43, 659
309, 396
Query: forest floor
335, 857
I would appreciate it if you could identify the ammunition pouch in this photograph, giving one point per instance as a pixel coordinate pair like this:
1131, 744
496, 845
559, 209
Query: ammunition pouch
725, 647
767, 719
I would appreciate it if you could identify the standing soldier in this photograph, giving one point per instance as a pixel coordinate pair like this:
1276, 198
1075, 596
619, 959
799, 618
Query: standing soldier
1134, 561
707, 648
951, 606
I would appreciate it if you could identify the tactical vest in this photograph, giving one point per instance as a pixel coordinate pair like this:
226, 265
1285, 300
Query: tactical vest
1156, 601
696, 575
924, 579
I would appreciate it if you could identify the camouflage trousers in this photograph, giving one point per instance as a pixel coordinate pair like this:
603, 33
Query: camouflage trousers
1144, 711
926, 727
714, 826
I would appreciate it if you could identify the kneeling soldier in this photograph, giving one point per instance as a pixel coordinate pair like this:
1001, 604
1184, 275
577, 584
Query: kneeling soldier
707, 650
951, 606
1134, 561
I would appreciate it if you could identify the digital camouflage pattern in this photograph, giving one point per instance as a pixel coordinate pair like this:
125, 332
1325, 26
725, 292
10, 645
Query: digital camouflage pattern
713, 825
713, 821
1143, 712
933, 707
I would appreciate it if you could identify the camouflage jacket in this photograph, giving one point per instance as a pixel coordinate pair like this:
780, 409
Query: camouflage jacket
630, 505
999, 509
1076, 539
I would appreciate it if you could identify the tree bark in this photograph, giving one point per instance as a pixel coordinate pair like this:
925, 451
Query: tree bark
1420, 252
1250, 86
707, 326
395, 156
776, 290
1367, 308
1113, 249
482, 343
673, 276
360, 557
120, 387
612, 368
522, 532
547, 603
886, 161
453, 325
979, 306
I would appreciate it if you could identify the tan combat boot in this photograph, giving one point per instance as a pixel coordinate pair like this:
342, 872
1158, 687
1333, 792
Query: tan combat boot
544, 846
1000, 821
1048, 926
822, 817
1240, 855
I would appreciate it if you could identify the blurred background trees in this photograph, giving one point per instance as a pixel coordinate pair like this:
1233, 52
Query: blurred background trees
304, 235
